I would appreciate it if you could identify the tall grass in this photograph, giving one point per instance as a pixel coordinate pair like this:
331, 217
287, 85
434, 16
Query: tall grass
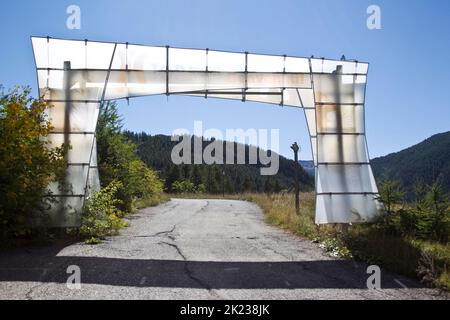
150, 201
279, 210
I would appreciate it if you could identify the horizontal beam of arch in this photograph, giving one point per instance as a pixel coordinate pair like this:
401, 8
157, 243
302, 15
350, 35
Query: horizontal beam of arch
76, 77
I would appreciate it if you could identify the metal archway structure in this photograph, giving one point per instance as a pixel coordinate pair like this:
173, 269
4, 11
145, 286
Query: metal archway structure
77, 76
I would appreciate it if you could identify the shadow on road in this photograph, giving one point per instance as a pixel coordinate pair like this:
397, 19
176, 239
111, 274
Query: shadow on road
326, 274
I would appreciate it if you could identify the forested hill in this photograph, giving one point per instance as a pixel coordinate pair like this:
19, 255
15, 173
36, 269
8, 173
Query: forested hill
428, 161
156, 151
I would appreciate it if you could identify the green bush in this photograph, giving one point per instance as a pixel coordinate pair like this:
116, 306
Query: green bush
102, 216
438, 217
391, 195
186, 186
200, 188
142, 181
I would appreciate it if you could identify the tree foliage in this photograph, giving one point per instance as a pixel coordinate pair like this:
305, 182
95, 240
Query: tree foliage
186, 186
118, 161
27, 164
428, 218
391, 194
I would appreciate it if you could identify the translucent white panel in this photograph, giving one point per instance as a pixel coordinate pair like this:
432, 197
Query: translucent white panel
346, 208
218, 96
266, 80
94, 161
98, 55
67, 212
331, 66
76, 177
264, 98
307, 98
296, 81
361, 79
81, 146
51, 84
67, 50
322, 66
310, 115
333, 89
123, 84
187, 81
314, 149
297, 65
226, 61
225, 81
340, 118
51, 79
87, 85
278, 80
140, 58
362, 68
94, 177
291, 98
263, 63
357, 79
82, 116
201, 81
121, 57
249, 96
187, 59
83, 84
53, 54
345, 178
40, 50
93, 181
342, 148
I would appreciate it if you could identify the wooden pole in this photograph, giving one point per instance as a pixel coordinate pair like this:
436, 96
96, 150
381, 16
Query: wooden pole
296, 149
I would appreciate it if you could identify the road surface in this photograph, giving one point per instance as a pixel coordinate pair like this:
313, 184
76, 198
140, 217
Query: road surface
196, 249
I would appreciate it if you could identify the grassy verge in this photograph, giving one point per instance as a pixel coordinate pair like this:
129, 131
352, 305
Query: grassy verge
425, 260
151, 201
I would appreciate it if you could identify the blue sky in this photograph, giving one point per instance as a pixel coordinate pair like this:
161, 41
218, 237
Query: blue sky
408, 95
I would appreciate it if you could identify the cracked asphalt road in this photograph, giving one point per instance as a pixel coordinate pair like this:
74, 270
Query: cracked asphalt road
196, 249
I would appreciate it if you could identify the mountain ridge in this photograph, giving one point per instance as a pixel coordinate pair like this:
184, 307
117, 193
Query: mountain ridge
155, 151
427, 161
